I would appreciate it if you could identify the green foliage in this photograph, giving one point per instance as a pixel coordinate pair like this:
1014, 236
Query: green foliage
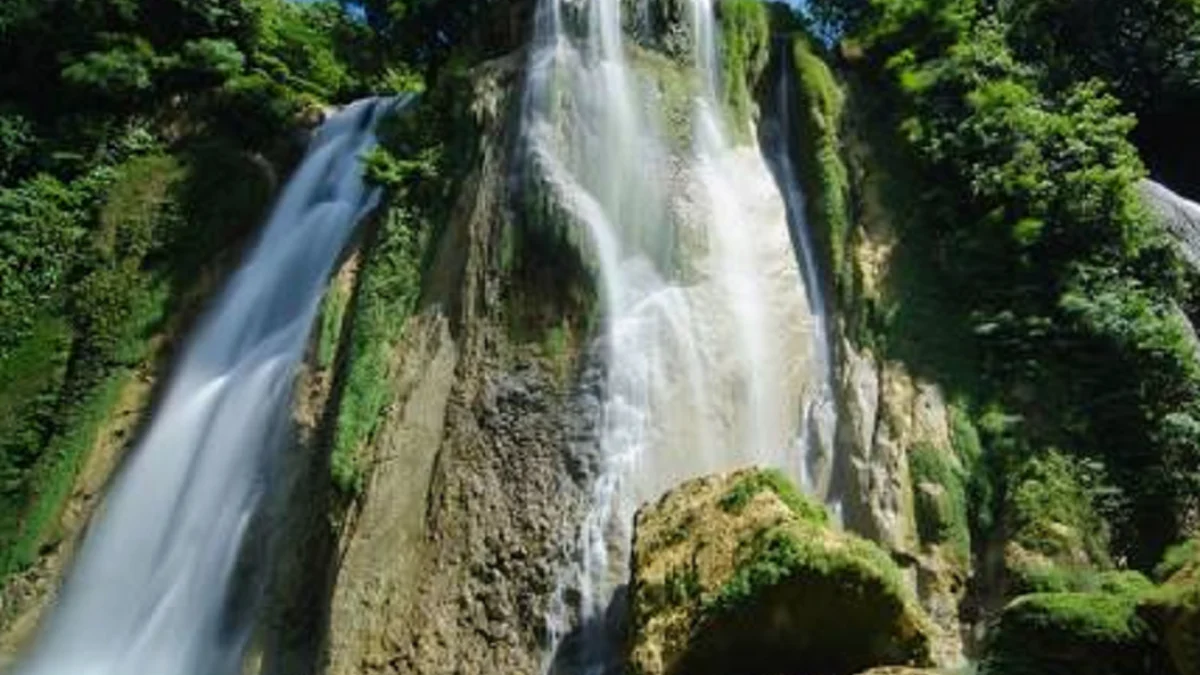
1027, 190
774, 481
28, 517
745, 50
1052, 510
1146, 50
939, 495
1177, 558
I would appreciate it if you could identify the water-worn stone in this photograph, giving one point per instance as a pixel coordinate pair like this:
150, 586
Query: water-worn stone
741, 573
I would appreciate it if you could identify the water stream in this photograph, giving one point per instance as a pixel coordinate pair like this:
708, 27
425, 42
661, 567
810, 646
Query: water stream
711, 363
158, 586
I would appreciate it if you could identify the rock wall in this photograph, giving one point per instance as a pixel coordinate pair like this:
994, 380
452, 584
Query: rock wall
446, 560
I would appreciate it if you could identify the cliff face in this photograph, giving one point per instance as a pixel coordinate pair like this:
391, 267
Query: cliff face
444, 558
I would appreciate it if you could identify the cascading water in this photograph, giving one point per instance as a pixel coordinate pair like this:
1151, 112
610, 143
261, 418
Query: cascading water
708, 348
820, 415
153, 588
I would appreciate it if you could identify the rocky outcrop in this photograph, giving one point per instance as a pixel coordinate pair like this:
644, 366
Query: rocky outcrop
741, 573
1179, 215
1096, 633
445, 560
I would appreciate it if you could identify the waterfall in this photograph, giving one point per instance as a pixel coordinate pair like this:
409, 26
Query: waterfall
708, 349
820, 414
159, 586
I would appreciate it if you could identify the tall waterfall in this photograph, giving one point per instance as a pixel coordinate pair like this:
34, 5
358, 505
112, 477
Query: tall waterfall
820, 413
707, 326
157, 588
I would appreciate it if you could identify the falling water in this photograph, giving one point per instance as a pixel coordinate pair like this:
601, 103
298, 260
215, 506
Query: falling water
820, 414
154, 588
708, 348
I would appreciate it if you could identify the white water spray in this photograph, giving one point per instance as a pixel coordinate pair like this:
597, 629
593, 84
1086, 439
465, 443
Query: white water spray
156, 588
707, 369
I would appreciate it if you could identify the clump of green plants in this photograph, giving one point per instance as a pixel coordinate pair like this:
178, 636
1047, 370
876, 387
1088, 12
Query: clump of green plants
772, 480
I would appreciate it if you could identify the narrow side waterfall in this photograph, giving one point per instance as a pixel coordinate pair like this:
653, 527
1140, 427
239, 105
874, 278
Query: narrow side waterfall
707, 328
820, 414
157, 587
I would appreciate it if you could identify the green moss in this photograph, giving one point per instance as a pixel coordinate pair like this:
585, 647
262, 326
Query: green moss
756, 481
773, 610
939, 494
333, 314
54, 476
745, 49
819, 102
388, 291
676, 88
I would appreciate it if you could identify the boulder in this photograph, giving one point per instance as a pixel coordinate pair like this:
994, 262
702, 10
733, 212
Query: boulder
741, 573
1099, 633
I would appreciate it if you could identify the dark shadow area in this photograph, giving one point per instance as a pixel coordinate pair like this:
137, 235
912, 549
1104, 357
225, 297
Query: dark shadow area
597, 646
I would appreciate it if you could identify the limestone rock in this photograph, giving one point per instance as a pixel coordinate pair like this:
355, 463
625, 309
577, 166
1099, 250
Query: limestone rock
740, 573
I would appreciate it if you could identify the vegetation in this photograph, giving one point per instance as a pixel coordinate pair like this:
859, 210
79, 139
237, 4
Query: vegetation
745, 49
1026, 187
939, 494
130, 141
417, 164
818, 103
773, 480
1072, 632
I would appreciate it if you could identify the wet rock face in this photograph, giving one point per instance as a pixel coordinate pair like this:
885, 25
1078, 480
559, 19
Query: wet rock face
448, 561
886, 416
741, 573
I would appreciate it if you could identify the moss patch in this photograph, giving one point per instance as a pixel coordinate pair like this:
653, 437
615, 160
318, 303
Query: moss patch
750, 484
939, 495
819, 101
745, 49
1072, 633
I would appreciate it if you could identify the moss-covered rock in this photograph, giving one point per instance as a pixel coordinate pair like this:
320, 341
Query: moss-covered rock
1098, 633
741, 573
1173, 609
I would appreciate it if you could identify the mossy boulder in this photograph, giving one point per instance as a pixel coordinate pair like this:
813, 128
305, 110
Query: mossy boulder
1173, 609
1099, 633
741, 573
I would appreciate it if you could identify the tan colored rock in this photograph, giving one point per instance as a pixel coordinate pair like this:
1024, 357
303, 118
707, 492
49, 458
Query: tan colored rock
740, 572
